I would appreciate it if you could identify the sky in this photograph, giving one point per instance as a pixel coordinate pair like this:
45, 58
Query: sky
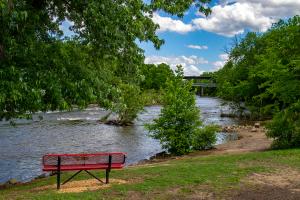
200, 43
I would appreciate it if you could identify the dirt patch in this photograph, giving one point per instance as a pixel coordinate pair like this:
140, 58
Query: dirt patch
81, 186
266, 193
282, 184
250, 139
133, 195
190, 193
201, 195
175, 193
287, 178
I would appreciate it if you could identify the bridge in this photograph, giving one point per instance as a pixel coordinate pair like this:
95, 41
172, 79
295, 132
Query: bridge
197, 77
205, 85
202, 85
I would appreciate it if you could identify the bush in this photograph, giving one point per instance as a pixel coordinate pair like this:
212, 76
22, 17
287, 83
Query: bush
179, 126
205, 137
128, 104
285, 128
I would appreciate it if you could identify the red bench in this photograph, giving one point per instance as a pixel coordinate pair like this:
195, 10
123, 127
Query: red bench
83, 162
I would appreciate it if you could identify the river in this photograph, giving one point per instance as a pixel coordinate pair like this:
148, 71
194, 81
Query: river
22, 146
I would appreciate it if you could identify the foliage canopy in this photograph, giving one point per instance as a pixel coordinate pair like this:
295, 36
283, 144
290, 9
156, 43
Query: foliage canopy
263, 71
156, 76
42, 70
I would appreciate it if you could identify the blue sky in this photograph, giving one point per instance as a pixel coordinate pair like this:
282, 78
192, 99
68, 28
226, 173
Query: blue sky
198, 43
178, 44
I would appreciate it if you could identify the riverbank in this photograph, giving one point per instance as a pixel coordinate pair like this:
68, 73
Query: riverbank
240, 169
251, 138
255, 175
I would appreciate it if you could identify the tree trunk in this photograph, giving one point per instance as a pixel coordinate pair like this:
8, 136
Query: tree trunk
1, 52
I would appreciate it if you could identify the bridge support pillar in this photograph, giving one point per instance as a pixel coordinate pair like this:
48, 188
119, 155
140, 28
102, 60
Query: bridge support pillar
202, 91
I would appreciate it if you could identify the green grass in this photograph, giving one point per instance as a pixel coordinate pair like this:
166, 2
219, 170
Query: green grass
179, 177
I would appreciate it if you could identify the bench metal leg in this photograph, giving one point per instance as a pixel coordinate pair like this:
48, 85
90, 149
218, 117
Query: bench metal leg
108, 169
107, 176
71, 177
58, 180
58, 173
93, 176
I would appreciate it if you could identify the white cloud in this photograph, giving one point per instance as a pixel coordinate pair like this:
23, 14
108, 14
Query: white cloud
199, 14
190, 64
220, 63
277, 8
172, 25
191, 46
230, 18
224, 56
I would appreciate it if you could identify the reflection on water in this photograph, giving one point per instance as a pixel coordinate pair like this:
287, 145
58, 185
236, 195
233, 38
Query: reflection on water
22, 147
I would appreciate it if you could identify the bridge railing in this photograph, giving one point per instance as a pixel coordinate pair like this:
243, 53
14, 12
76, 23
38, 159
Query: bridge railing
211, 85
197, 77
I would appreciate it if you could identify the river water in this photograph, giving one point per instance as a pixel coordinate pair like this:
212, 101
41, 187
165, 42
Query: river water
22, 146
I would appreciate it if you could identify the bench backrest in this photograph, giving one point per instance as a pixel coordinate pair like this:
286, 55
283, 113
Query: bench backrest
51, 160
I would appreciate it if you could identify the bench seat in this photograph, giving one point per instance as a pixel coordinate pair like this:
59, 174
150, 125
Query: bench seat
82, 167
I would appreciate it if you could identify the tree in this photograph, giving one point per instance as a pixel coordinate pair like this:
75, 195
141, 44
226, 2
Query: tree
179, 127
128, 103
262, 70
264, 73
39, 70
285, 127
155, 76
